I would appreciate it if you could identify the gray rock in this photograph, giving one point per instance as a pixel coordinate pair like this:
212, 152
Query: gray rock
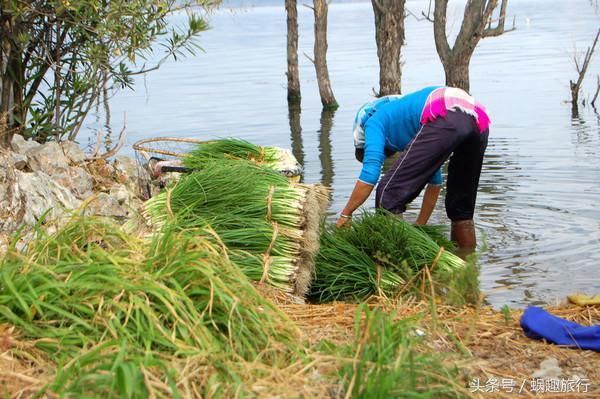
47, 158
12, 202
126, 165
105, 205
121, 194
19, 161
22, 146
73, 152
549, 368
76, 179
129, 172
41, 193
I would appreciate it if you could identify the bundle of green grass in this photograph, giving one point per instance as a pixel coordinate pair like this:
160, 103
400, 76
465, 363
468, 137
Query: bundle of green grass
274, 158
269, 224
380, 254
121, 316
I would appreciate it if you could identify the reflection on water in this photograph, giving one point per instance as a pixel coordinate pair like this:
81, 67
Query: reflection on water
538, 208
296, 132
325, 153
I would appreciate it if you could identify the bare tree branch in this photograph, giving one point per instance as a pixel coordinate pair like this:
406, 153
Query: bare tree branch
439, 29
581, 70
499, 29
120, 143
426, 17
96, 150
597, 91
308, 57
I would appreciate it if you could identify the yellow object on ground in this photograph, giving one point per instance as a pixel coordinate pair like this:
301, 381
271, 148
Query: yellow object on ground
584, 300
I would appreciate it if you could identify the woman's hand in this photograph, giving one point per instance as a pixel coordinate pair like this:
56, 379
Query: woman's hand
359, 195
343, 220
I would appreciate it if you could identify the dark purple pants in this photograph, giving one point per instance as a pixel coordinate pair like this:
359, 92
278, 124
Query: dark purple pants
457, 135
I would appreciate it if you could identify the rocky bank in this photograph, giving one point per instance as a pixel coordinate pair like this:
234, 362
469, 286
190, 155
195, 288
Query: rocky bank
52, 180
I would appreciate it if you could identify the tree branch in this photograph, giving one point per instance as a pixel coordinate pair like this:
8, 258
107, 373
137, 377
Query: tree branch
576, 86
597, 91
113, 150
439, 29
499, 29
428, 15
586, 60
307, 56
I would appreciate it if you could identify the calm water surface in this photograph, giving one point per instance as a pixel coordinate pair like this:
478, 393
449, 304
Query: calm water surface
539, 204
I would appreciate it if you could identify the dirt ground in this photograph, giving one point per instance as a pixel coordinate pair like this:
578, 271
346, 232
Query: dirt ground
497, 359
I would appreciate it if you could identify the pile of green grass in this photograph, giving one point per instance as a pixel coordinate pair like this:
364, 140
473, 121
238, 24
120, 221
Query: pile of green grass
256, 212
383, 255
232, 149
115, 312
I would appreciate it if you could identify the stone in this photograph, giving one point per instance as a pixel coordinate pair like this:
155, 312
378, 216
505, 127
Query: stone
101, 168
12, 203
41, 193
549, 368
121, 194
105, 205
73, 152
130, 173
46, 158
77, 179
19, 161
126, 165
22, 146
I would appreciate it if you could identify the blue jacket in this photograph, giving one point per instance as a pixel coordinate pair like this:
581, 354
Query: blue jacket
389, 122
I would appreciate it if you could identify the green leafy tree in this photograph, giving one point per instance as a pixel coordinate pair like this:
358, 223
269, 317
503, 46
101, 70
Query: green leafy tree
57, 57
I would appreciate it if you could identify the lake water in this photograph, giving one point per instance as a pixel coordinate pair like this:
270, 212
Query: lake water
538, 212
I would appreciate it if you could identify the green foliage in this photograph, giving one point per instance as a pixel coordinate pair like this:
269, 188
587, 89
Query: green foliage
380, 254
61, 56
384, 361
112, 309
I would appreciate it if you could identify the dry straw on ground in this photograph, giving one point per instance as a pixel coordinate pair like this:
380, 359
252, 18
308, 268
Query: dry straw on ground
485, 343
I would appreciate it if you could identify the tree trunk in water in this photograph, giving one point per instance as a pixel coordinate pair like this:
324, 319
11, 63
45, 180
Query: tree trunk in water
456, 59
457, 72
574, 99
293, 75
327, 98
389, 35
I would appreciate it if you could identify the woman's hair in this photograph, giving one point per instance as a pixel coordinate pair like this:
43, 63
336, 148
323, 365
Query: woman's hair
359, 153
